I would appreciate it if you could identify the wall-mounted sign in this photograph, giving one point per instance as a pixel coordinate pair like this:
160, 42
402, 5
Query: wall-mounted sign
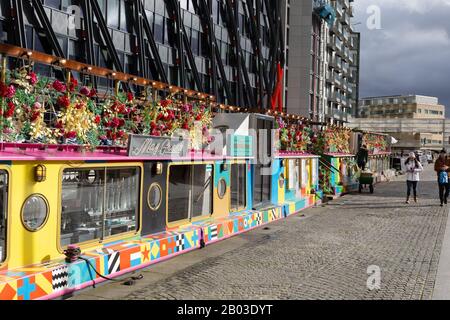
150, 146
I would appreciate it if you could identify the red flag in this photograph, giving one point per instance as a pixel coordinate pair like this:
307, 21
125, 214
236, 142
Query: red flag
277, 98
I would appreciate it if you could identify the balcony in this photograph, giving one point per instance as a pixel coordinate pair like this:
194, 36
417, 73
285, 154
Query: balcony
337, 114
335, 97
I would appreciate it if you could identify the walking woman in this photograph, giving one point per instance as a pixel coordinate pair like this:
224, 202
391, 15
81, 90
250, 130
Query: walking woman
413, 170
442, 167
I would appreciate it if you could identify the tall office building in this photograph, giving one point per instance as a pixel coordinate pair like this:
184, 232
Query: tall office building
230, 49
322, 66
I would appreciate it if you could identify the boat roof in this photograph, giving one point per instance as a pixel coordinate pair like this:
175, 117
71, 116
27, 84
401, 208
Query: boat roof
339, 155
295, 155
40, 152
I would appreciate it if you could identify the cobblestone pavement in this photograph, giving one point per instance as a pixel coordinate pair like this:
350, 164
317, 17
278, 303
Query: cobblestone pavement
324, 254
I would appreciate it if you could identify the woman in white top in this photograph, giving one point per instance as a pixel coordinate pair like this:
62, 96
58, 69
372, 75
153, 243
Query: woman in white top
413, 170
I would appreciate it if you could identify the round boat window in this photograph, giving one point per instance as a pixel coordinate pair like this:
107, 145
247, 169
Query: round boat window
35, 212
154, 197
222, 188
281, 180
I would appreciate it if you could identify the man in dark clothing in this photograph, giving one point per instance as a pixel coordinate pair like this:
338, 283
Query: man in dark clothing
443, 164
362, 157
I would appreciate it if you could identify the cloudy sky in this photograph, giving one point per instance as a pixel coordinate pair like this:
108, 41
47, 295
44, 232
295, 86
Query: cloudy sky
410, 53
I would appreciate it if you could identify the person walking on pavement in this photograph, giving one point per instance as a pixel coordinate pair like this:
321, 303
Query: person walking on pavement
362, 157
442, 168
413, 170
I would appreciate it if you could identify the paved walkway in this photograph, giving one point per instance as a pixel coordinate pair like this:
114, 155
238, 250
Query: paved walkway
324, 254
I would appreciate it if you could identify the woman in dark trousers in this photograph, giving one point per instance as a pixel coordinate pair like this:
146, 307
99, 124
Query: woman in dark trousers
413, 170
443, 165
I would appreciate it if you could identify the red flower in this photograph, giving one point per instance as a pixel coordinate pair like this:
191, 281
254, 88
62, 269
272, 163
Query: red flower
73, 84
64, 101
111, 135
165, 103
59, 125
7, 92
198, 118
93, 93
59, 86
33, 78
186, 126
170, 116
10, 112
120, 133
97, 120
115, 123
71, 135
130, 97
35, 116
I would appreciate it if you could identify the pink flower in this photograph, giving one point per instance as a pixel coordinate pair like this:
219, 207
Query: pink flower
37, 106
85, 91
186, 108
33, 78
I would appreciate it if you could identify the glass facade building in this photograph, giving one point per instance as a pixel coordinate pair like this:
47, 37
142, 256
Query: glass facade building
228, 49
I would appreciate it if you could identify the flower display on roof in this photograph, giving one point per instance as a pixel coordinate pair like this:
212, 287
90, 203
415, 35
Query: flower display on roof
39, 110
294, 137
375, 143
333, 140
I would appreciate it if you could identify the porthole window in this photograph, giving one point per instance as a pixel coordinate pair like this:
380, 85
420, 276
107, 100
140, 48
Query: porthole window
222, 188
35, 212
154, 197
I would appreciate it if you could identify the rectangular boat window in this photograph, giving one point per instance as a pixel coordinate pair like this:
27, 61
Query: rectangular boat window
179, 193
238, 187
190, 192
315, 178
303, 173
262, 180
122, 193
3, 213
293, 174
202, 190
98, 202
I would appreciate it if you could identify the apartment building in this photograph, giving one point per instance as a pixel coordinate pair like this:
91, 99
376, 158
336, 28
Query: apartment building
407, 107
228, 49
417, 122
323, 60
